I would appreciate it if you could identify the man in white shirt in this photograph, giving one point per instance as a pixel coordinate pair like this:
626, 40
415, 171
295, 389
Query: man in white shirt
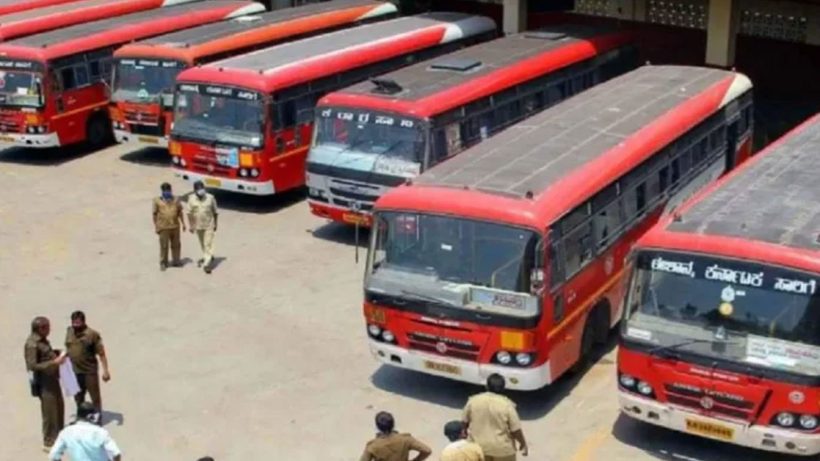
84, 440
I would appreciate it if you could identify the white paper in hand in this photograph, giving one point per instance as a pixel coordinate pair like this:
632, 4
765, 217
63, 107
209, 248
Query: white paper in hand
68, 379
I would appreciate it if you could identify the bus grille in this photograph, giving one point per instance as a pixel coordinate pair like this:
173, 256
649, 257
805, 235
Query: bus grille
213, 168
139, 118
722, 405
8, 125
454, 348
146, 130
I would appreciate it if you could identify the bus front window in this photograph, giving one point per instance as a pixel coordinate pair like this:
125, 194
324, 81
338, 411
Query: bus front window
219, 119
20, 89
378, 142
734, 310
143, 81
473, 264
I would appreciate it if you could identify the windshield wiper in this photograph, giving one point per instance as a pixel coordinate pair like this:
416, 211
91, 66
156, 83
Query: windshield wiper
428, 298
670, 347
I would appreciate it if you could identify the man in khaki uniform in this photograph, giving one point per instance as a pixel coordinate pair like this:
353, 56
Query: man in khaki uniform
44, 364
83, 346
389, 445
460, 449
493, 422
202, 216
167, 213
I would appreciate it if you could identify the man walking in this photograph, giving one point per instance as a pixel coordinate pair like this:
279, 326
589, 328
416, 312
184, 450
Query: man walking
85, 440
493, 422
167, 213
43, 363
389, 445
84, 345
202, 216
460, 449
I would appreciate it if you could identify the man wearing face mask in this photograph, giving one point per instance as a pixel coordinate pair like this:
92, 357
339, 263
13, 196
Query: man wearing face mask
84, 345
167, 213
202, 216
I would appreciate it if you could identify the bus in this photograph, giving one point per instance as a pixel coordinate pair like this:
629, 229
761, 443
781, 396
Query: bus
144, 72
377, 134
54, 85
14, 6
45, 16
245, 124
721, 334
508, 257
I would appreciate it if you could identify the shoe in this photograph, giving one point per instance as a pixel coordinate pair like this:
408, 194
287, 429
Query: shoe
176, 264
163, 266
200, 262
46, 449
208, 269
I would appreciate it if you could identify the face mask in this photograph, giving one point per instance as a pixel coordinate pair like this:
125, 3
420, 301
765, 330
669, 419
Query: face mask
200, 193
167, 195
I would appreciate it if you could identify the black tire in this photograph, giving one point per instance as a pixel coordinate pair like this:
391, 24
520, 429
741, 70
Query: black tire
601, 324
98, 131
587, 345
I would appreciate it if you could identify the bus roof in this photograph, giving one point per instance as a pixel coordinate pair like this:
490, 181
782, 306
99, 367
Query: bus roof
303, 60
13, 6
213, 39
768, 209
435, 86
50, 16
118, 30
538, 169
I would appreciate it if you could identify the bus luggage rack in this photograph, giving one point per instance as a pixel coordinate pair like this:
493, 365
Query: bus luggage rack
432, 344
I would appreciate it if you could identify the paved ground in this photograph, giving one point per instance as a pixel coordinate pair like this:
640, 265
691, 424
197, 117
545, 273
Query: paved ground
264, 359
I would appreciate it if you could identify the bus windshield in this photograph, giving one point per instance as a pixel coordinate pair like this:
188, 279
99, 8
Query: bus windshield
234, 117
453, 258
735, 310
20, 89
378, 142
143, 80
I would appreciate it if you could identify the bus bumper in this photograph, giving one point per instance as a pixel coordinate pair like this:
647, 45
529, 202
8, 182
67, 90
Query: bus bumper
760, 437
339, 214
123, 136
233, 185
520, 379
30, 140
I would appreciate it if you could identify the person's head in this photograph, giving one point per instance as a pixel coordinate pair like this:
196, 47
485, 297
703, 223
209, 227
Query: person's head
495, 383
199, 189
385, 422
455, 430
87, 412
78, 320
165, 188
41, 326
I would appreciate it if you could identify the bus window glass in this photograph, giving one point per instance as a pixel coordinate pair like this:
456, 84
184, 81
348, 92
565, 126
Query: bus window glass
19, 89
234, 117
142, 80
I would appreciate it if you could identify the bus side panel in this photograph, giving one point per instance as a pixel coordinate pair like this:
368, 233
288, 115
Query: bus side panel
74, 108
288, 168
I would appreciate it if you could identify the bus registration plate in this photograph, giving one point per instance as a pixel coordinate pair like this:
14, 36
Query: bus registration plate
148, 140
213, 182
6, 139
442, 367
354, 218
716, 431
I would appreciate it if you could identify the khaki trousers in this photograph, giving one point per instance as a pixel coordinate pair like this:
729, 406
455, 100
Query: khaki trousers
52, 410
89, 383
169, 237
206, 242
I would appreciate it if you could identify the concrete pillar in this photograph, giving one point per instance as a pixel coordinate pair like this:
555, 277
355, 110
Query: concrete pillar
515, 16
721, 31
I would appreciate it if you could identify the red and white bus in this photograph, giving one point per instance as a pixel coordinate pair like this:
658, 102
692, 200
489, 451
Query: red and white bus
375, 135
144, 72
13, 6
52, 15
244, 124
53, 86
721, 333
507, 258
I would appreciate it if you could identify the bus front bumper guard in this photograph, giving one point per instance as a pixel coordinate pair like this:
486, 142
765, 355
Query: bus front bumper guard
31, 140
760, 437
521, 379
123, 137
233, 185
339, 214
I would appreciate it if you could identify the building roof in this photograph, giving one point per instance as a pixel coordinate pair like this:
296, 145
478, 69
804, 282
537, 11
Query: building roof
247, 31
554, 160
295, 62
117, 30
775, 199
434, 86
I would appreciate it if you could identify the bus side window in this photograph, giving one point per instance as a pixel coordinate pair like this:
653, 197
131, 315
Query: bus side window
608, 219
67, 77
578, 248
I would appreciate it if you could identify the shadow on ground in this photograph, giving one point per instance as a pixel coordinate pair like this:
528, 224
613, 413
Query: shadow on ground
342, 233
257, 204
454, 394
149, 156
45, 157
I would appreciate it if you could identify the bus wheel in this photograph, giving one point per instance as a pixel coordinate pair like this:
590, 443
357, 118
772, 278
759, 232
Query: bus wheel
587, 344
98, 131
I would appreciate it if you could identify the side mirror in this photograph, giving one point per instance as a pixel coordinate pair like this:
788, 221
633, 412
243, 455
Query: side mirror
537, 282
41, 98
166, 99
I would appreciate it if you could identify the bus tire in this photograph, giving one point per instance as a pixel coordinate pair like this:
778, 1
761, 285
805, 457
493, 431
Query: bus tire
602, 322
587, 345
98, 131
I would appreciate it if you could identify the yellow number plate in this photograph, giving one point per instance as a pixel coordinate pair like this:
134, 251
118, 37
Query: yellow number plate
354, 218
717, 431
213, 182
148, 140
6, 139
442, 367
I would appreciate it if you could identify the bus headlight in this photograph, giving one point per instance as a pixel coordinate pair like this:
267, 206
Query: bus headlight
31, 129
254, 173
41, 129
524, 359
175, 160
785, 419
182, 162
374, 330
503, 357
243, 172
388, 336
808, 422
627, 381
644, 388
